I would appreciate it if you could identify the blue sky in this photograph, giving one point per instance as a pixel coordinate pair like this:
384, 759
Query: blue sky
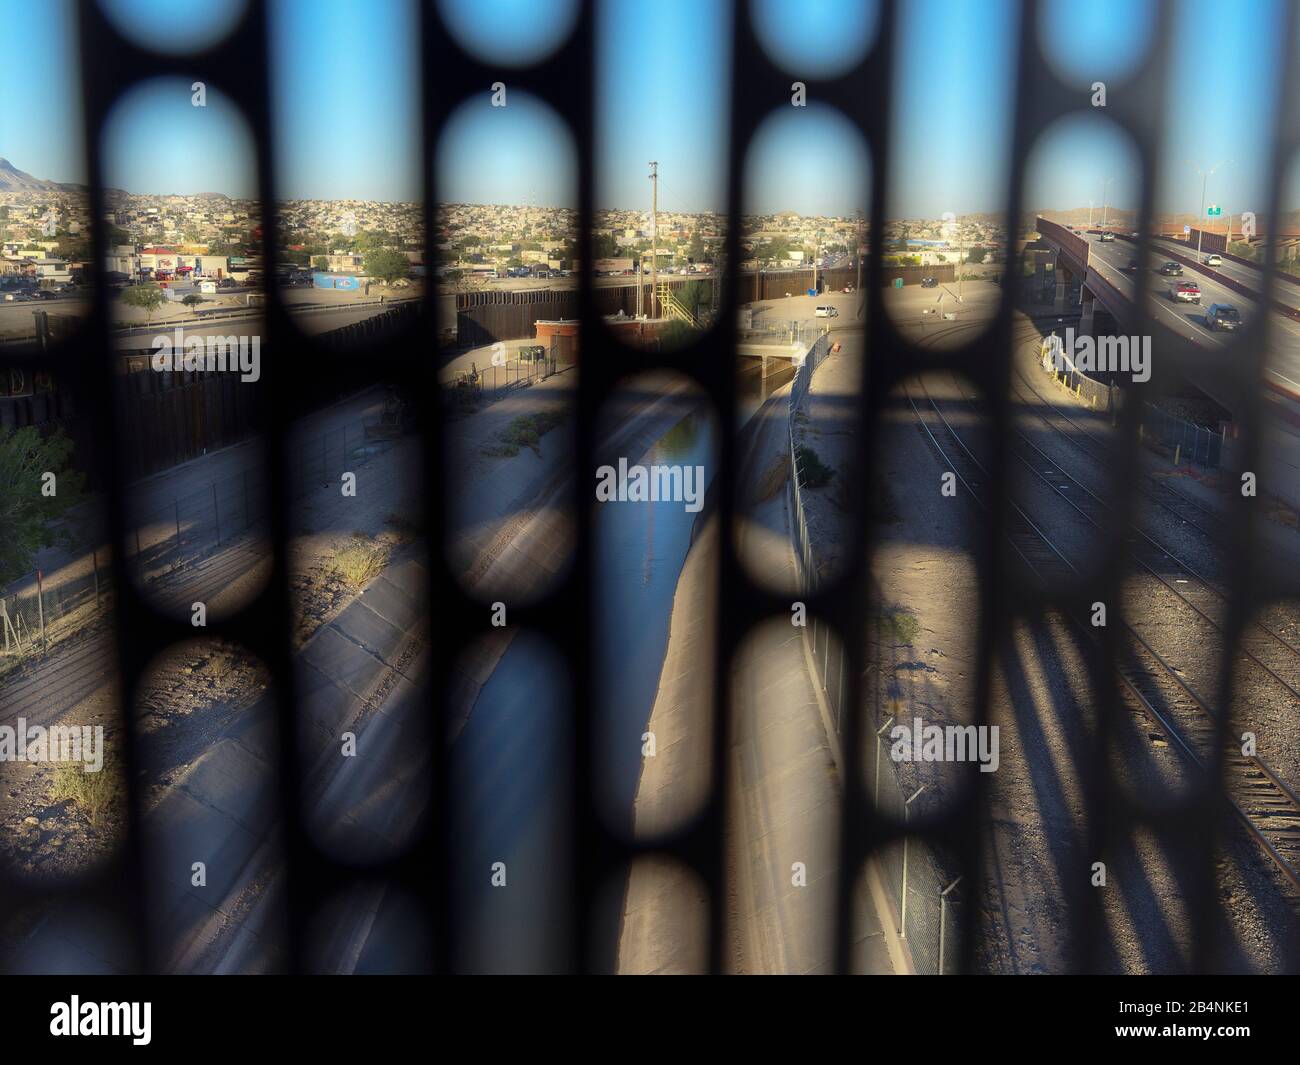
157, 142
514, 32
519, 154
1073, 157
42, 135
1231, 112
809, 160
173, 25
681, 122
343, 132
951, 114
663, 85
816, 38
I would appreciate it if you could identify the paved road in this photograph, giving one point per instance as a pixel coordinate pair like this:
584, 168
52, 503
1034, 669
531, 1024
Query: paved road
1188, 319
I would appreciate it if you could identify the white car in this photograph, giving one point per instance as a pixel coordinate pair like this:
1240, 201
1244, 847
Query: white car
1214, 260
826, 312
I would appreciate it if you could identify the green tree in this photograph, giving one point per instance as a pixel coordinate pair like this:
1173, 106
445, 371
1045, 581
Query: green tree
28, 517
691, 295
604, 246
776, 248
191, 301
695, 252
146, 297
976, 254
386, 264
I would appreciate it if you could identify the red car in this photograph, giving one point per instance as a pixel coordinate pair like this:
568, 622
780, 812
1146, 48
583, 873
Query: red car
1186, 292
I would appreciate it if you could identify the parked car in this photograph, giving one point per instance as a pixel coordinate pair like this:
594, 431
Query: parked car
1185, 292
826, 311
1222, 317
929, 282
1172, 269
1214, 260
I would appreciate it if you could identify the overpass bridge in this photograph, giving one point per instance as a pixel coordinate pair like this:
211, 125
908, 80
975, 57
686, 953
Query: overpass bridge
1110, 284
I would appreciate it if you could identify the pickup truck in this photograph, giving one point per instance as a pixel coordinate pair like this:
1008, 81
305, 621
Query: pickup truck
1185, 292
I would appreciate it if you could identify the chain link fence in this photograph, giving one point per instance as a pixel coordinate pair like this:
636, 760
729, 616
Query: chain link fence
1185, 440
166, 535
477, 387
790, 331
924, 899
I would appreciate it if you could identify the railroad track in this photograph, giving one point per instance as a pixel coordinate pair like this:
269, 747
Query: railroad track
1267, 807
1260, 647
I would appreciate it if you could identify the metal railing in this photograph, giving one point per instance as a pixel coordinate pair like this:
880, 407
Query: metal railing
929, 919
1186, 441
480, 387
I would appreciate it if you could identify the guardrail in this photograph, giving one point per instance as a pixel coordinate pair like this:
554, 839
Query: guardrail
256, 312
1240, 260
1231, 283
1074, 244
926, 908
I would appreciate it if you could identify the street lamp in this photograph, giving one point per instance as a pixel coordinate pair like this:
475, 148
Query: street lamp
1200, 218
1104, 204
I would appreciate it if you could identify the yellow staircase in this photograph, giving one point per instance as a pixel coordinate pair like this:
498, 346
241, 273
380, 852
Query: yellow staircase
671, 306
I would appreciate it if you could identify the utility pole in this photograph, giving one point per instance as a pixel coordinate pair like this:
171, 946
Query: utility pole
1200, 220
654, 237
961, 254
861, 251
1105, 185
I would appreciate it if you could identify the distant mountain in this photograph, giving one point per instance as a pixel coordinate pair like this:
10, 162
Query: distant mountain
14, 180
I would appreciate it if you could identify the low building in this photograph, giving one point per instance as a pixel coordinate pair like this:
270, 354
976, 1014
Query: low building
343, 262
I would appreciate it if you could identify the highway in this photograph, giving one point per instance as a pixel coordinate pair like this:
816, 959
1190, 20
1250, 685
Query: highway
1187, 320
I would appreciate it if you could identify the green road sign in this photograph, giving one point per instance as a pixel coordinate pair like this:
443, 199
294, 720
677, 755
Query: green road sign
1214, 210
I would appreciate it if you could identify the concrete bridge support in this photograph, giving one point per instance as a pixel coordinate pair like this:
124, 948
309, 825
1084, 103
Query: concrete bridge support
1087, 324
1064, 282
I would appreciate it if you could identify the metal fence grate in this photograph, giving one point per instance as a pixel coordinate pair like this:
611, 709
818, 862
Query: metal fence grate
565, 81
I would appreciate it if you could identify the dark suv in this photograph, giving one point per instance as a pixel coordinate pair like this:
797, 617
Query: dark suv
929, 282
1172, 269
1222, 316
